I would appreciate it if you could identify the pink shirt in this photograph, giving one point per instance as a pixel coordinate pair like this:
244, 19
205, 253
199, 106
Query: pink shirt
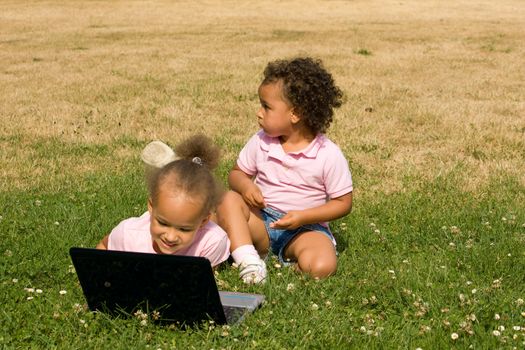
133, 235
296, 180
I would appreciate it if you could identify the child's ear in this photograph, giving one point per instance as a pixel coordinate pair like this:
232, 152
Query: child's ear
205, 220
294, 118
150, 206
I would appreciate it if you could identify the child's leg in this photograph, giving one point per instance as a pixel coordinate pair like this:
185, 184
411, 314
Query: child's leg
247, 233
243, 225
314, 252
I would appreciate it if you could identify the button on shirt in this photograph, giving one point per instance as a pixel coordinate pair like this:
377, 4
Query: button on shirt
296, 180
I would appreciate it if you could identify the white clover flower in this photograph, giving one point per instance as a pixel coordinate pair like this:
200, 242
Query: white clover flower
362, 329
497, 317
516, 328
474, 291
452, 244
7, 252
501, 328
38, 202
82, 321
496, 333
454, 229
57, 223
62, 292
277, 265
315, 306
469, 283
328, 303
472, 317
454, 336
29, 298
29, 290
519, 302
15, 280
143, 323
290, 287
377, 230
39, 291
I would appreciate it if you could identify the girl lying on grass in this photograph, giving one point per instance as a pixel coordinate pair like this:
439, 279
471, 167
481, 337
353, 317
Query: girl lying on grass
290, 179
182, 195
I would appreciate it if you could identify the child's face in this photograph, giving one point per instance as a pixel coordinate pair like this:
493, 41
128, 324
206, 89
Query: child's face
275, 116
174, 222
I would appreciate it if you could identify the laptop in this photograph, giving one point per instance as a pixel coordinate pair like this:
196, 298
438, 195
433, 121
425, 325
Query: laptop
169, 288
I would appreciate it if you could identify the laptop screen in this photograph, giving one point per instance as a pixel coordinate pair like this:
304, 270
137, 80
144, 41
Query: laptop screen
173, 288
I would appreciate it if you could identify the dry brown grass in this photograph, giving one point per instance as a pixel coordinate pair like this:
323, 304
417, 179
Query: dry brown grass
445, 82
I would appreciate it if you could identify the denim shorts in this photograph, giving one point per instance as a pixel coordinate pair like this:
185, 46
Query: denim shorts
279, 239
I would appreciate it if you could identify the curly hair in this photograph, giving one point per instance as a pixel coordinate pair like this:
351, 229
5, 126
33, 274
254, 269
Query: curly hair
191, 174
309, 88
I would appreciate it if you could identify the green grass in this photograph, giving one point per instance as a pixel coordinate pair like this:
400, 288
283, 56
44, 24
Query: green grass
414, 268
432, 127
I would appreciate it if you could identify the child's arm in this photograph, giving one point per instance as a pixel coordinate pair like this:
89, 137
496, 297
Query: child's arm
103, 244
335, 208
242, 183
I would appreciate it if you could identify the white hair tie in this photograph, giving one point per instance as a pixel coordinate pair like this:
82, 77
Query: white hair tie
197, 160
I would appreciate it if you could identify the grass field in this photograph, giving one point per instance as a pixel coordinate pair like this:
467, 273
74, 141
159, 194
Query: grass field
432, 255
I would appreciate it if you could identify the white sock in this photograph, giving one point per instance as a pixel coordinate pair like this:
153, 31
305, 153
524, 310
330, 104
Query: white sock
240, 253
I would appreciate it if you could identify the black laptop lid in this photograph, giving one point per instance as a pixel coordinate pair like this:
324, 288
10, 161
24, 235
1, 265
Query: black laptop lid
180, 288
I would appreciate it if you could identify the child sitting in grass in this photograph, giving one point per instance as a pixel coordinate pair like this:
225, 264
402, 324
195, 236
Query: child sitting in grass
290, 179
182, 195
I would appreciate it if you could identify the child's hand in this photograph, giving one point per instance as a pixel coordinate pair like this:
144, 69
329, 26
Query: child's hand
253, 197
290, 221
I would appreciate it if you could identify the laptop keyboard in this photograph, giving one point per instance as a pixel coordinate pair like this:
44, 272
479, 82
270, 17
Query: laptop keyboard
233, 313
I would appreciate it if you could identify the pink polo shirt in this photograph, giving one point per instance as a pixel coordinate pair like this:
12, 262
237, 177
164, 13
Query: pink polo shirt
133, 235
296, 180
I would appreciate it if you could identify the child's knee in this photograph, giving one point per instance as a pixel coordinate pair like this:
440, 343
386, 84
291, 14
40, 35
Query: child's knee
229, 200
319, 267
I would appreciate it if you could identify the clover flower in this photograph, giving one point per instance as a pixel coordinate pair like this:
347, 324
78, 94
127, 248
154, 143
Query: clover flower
62, 292
454, 336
